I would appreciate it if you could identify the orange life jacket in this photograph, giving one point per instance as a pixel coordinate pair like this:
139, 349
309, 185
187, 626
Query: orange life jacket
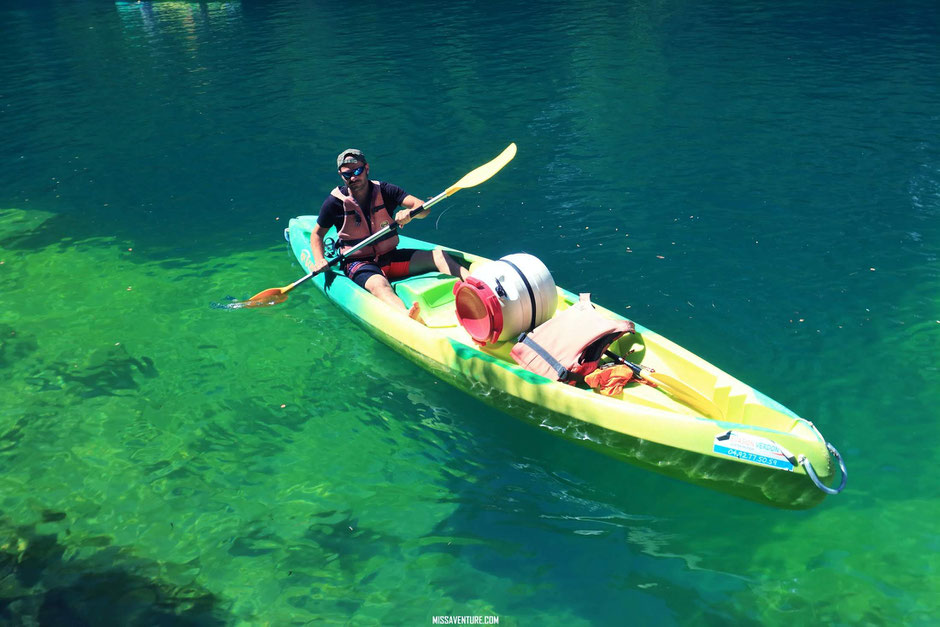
570, 344
356, 227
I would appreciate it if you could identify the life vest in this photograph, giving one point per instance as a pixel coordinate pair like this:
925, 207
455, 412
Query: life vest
356, 227
571, 344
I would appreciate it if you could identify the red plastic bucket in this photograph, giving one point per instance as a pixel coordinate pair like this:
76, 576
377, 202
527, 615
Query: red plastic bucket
478, 310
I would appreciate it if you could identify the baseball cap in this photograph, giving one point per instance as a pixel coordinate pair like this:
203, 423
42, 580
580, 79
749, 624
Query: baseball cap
350, 155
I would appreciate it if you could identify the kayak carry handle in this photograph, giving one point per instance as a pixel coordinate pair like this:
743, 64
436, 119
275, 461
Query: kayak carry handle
808, 467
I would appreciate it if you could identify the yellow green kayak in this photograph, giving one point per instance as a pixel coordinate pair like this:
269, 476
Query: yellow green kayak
735, 440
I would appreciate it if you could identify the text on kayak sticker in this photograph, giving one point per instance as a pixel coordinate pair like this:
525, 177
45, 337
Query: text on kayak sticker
753, 449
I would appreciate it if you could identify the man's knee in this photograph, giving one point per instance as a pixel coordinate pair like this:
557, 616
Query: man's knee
378, 285
440, 257
421, 261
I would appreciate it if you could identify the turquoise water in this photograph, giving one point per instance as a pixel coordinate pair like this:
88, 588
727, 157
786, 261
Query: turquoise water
758, 181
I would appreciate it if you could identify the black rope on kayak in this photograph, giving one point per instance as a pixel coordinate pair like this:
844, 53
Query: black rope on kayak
808, 467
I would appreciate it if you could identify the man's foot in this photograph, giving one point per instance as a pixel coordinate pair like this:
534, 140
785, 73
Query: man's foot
415, 313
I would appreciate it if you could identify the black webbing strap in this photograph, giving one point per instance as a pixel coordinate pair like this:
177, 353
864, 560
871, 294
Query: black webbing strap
563, 373
528, 288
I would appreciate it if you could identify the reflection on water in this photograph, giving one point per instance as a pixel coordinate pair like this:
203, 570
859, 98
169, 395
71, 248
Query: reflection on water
253, 302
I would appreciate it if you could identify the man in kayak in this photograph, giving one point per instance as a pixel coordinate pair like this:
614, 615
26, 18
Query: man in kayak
357, 210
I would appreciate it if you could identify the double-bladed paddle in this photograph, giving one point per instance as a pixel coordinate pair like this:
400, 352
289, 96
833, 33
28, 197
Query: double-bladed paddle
672, 386
276, 295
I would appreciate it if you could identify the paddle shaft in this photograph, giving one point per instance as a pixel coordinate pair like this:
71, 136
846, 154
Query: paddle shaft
637, 370
378, 235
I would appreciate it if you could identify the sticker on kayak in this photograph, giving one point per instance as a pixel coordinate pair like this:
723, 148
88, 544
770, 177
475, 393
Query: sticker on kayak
754, 449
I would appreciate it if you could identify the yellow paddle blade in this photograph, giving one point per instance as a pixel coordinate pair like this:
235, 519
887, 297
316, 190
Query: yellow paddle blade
485, 171
686, 395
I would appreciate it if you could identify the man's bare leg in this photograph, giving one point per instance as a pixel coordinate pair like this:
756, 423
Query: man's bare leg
437, 259
379, 287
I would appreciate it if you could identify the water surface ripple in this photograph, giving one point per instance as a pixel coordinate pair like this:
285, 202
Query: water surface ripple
758, 181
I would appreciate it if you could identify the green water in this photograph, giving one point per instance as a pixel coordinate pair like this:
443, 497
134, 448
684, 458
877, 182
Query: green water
758, 182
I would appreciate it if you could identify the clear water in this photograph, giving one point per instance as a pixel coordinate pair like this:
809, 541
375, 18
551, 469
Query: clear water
758, 181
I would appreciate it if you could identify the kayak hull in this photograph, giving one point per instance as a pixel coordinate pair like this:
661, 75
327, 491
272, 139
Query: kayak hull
752, 453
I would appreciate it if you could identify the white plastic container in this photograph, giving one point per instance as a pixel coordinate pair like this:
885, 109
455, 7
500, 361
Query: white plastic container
506, 297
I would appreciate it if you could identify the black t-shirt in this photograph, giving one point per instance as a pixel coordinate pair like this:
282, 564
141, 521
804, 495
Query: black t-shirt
331, 213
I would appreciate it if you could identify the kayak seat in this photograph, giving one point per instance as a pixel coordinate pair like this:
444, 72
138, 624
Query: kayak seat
434, 293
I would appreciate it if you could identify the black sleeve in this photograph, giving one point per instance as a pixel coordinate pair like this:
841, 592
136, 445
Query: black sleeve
331, 213
393, 196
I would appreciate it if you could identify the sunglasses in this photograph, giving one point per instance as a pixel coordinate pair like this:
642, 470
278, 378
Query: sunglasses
352, 173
